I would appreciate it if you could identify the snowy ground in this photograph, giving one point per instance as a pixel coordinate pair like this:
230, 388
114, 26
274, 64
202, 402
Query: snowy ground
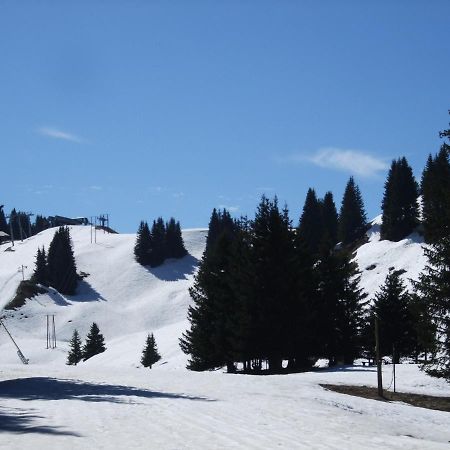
112, 402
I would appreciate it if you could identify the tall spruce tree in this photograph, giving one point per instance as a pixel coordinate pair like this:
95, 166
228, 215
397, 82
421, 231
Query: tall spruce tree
392, 307
143, 245
94, 343
62, 270
310, 228
341, 303
399, 205
3, 222
174, 245
75, 354
150, 353
352, 216
220, 222
329, 223
434, 288
41, 275
158, 249
435, 189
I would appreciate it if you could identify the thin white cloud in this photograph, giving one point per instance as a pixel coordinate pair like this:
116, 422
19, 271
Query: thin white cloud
353, 161
229, 208
95, 188
54, 133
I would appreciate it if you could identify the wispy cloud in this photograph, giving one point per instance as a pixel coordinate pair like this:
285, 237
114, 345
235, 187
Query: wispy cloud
229, 208
95, 188
54, 133
354, 161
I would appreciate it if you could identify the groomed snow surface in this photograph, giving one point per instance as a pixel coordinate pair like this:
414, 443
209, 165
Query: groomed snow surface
111, 401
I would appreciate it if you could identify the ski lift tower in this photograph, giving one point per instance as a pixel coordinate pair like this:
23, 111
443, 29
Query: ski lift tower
19, 353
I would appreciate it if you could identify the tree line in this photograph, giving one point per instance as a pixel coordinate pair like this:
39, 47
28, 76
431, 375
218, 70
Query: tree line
163, 241
268, 292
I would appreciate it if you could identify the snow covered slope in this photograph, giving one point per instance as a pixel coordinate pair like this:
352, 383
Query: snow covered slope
125, 299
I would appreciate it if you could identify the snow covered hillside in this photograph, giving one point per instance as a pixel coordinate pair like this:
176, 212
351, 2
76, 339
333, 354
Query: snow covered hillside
111, 402
125, 299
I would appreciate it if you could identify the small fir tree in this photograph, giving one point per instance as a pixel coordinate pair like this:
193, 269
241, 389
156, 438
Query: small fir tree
143, 245
75, 353
62, 270
310, 228
3, 223
94, 343
174, 245
40, 275
352, 216
399, 206
150, 353
158, 250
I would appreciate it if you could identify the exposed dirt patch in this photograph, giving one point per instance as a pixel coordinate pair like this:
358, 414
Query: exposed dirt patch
422, 401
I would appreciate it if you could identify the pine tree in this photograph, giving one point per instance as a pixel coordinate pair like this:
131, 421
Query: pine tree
158, 250
341, 308
75, 353
150, 353
220, 223
435, 188
392, 307
329, 223
352, 217
41, 275
310, 228
434, 288
399, 206
143, 245
40, 224
3, 223
94, 343
62, 271
174, 245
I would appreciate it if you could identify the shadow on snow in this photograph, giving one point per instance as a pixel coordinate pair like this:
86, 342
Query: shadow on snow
175, 269
45, 388
14, 420
85, 293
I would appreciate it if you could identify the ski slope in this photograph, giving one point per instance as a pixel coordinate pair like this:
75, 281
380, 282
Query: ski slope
110, 401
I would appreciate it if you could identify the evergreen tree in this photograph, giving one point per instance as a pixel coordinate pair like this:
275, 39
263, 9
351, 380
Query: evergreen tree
150, 353
392, 307
143, 245
352, 217
174, 245
435, 188
62, 271
341, 307
158, 250
310, 228
220, 222
434, 288
41, 275
94, 343
40, 224
399, 206
329, 223
3, 223
75, 353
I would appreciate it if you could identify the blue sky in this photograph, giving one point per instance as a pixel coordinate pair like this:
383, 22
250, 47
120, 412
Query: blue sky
145, 108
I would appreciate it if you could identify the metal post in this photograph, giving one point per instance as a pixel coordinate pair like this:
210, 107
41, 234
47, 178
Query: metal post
377, 351
54, 332
20, 227
48, 339
393, 361
11, 229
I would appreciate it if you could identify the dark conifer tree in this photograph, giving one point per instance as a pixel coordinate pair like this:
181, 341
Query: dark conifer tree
94, 343
399, 206
392, 307
435, 188
158, 250
174, 245
62, 270
40, 224
329, 222
75, 353
352, 216
41, 275
3, 222
220, 222
310, 228
143, 245
150, 353
341, 308
434, 288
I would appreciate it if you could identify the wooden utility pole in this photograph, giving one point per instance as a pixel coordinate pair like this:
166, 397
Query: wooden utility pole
377, 352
